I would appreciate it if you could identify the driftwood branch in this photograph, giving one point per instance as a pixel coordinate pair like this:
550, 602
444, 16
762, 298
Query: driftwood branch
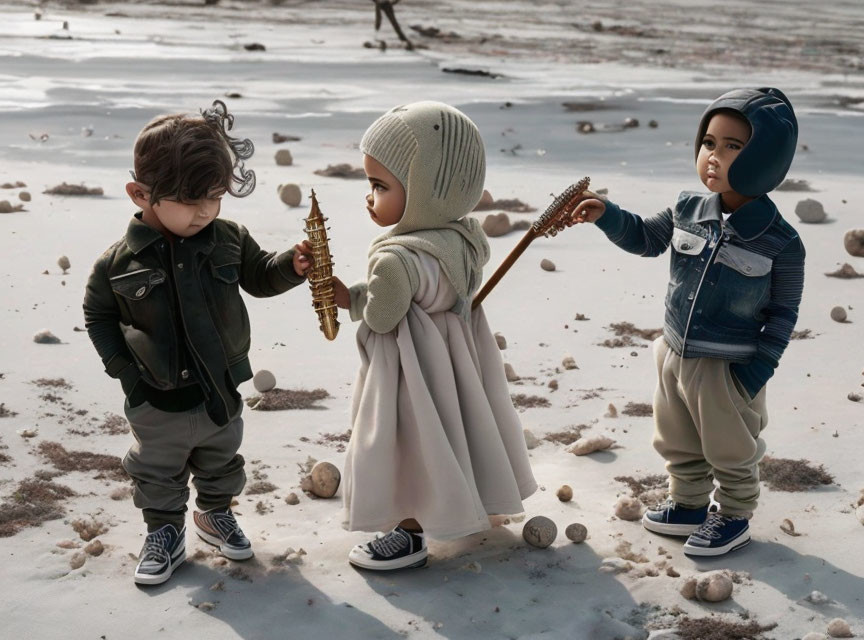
385, 7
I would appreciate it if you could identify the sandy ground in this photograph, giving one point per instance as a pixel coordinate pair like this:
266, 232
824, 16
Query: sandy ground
125, 63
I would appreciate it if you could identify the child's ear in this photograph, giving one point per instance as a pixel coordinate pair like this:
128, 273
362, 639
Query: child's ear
137, 194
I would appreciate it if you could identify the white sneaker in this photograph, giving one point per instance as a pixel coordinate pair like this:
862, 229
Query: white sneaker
399, 549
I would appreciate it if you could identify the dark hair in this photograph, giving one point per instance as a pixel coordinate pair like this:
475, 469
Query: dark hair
186, 157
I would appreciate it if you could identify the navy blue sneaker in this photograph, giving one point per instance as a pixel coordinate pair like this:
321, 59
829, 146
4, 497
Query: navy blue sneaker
163, 551
719, 535
398, 549
671, 519
219, 527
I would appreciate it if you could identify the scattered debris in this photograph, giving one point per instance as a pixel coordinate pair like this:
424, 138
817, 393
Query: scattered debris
254, 46
121, 493
472, 72
284, 158
279, 138
95, 548
342, 171
817, 597
611, 411
45, 337
27, 433
8, 207
715, 628
89, 529
584, 446
793, 184
283, 399
10, 185
567, 436
576, 532
74, 190
6, 413
108, 466
788, 527
539, 532
628, 508
289, 557
569, 363
523, 401
77, 560
629, 329
804, 334
638, 409
33, 502
262, 486
783, 474
114, 425
847, 271
624, 550
810, 211
650, 489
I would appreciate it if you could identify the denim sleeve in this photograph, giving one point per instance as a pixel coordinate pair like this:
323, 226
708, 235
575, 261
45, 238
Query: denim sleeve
787, 285
102, 320
264, 274
648, 237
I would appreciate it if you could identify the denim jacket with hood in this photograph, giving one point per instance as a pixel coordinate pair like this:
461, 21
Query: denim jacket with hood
734, 286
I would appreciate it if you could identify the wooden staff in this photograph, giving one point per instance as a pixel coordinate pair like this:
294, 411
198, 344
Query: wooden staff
553, 220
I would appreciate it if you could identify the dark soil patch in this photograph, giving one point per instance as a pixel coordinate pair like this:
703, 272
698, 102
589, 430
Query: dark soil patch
524, 401
52, 383
568, 435
847, 271
629, 329
647, 487
5, 459
74, 190
339, 440
279, 399
342, 171
114, 425
638, 409
513, 206
65, 461
262, 486
783, 474
712, 628
617, 343
33, 502
6, 413
804, 334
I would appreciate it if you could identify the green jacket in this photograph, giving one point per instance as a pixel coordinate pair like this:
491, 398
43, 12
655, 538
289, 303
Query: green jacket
147, 297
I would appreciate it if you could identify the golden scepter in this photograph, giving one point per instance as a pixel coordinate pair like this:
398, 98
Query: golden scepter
321, 273
553, 220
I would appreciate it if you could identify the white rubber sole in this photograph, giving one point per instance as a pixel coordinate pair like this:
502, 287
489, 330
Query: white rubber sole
149, 579
682, 530
742, 540
360, 558
228, 552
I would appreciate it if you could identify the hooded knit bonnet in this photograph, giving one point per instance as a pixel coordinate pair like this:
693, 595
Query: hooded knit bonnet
763, 162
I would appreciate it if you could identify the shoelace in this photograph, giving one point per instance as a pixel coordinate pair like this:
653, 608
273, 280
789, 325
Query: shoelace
156, 547
669, 503
227, 519
390, 544
709, 529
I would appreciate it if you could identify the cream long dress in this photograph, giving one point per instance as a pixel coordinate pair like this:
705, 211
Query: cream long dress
435, 435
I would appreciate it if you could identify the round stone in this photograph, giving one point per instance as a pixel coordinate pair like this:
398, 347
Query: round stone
284, 158
24, 196
539, 532
810, 211
264, 381
838, 314
290, 194
325, 479
565, 493
547, 265
854, 242
714, 586
576, 532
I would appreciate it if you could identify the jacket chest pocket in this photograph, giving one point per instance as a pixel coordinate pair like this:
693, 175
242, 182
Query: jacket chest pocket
226, 305
687, 243
743, 283
141, 295
225, 264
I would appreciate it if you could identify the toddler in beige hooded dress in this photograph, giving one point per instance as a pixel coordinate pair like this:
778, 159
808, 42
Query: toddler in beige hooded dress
435, 440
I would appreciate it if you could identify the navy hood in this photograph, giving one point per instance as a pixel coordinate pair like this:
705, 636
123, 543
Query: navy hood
763, 162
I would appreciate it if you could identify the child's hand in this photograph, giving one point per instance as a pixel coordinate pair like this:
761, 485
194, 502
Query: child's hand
303, 259
340, 294
588, 210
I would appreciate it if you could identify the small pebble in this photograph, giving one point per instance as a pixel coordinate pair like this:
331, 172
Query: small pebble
290, 194
77, 561
839, 628
569, 363
553, 384
264, 381
565, 493
510, 372
810, 211
46, 337
284, 158
325, 479
838, 314
63, 263
531, 440
539, 532
501, 341
714, 586
24, 196
292, 499
547, 265
628, 508
576, 532
95, 548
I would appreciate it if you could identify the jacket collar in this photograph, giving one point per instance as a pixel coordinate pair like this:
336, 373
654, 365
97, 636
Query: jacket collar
751, 220
140, 235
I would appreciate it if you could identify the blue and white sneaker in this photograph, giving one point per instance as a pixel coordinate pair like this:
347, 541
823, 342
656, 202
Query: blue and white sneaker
398, 549
671, 519
164, 550
718, 535
219, 527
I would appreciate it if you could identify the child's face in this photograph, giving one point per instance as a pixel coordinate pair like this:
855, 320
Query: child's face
721, 144
183, 219
386, 201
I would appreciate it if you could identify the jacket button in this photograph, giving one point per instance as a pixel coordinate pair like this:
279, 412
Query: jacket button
748, 269
179, 265
184, 374
690, 297
140, 292
685, 246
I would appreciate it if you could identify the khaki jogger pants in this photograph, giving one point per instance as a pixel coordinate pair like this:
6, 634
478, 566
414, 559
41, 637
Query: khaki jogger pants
169, 446
706, 427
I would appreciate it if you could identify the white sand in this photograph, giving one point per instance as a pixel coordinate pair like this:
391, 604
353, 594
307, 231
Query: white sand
315, 80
